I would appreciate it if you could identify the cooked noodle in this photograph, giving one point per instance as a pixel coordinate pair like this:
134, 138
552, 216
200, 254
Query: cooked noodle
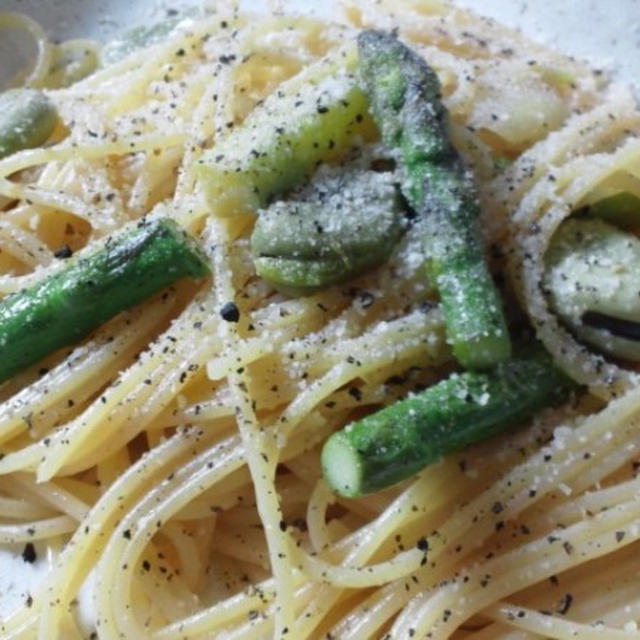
173, 457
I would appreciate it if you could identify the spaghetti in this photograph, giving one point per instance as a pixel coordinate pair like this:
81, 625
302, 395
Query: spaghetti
171, 461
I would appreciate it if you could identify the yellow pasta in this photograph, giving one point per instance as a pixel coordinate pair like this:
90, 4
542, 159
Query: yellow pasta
168, 465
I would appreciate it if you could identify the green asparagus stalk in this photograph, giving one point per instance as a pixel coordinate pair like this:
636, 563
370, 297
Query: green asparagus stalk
65, 307
404, 95
282, 142
396, 442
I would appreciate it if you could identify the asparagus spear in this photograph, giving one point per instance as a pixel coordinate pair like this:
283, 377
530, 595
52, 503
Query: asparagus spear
396, 442
282, 142
27, 119
66, 306
404, 95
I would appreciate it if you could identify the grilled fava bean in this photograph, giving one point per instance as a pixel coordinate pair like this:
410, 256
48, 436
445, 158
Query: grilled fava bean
27, 119
345, 222
593, 282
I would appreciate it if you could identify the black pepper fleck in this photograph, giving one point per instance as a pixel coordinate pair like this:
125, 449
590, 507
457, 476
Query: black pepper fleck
63, 252
29, 553
230, 312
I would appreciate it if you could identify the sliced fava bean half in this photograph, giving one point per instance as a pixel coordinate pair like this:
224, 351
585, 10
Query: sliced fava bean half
27, 119
593, 282
72, 61
621, 209
346, 221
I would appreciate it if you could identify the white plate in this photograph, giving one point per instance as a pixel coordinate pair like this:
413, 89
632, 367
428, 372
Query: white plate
605, 32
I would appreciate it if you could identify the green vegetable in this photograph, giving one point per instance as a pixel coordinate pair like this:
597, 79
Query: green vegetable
282, 142
396, 442
621, 209
72, 61
593, 282
140, 37
27, 119
65, 307
404, 93
345, 222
